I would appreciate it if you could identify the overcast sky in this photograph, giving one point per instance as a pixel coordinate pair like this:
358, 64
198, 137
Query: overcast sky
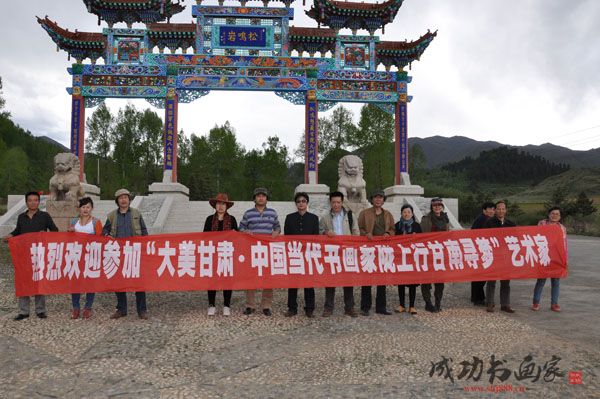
515, 71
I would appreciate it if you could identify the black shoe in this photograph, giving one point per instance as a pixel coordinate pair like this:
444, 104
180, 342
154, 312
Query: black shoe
20, 317
429, 307
267, 312
248, 311
364, 312
310, 314
479, 303
438, 306
289, 313
383, 312
42, 315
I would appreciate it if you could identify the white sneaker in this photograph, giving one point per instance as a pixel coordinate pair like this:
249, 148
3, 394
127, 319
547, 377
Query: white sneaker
226, 311
211, 311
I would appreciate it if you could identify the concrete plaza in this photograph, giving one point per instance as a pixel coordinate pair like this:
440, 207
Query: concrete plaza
181, 352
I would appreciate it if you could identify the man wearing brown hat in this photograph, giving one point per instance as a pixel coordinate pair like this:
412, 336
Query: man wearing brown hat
126, 221
260, 220
375, 222
221, 220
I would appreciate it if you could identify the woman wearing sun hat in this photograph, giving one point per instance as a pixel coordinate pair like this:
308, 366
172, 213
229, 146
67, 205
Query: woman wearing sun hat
220, 221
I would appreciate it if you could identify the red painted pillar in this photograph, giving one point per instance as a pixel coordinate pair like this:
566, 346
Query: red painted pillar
78, 131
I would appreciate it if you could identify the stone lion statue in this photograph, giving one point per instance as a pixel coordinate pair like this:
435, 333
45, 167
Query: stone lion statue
351, 182
65, 185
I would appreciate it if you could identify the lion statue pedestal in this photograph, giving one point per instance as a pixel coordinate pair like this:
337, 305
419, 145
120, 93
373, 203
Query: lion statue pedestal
65, 190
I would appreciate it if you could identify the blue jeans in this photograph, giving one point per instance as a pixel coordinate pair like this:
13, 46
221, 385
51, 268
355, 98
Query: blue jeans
89, 300
539, 285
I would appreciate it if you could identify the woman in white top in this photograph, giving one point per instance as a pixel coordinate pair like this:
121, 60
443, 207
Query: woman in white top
85, 223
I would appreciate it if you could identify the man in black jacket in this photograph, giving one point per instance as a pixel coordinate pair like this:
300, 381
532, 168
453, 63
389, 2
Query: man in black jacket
499, 220
477, 287
31, 221
301, 222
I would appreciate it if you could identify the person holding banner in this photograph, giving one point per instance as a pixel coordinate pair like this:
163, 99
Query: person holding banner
375, 222
499, 220
260, 220
31, 221
338, 221
123, 222
87, 224
407, 225
220, 221
478, 287
301, 222
554, 217
435, 220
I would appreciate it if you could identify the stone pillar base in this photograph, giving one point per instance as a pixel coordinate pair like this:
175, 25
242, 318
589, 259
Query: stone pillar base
176, 190
91, 191
62, 212
395, 193
316, 191
313, 189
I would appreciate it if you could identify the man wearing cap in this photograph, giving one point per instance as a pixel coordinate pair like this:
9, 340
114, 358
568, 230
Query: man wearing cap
338, 221
435, 220
375, 222
126, 221
301, 222
260, 220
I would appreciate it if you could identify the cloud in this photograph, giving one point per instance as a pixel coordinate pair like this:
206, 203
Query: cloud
517, 72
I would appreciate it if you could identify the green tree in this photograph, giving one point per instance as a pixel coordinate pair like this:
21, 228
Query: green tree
225, 158
558, 198
126, 139
151, 144
582, 205
15, 172
2, 102
275, 168
374, 136
417, 161
100, 127
335, 131
184, 149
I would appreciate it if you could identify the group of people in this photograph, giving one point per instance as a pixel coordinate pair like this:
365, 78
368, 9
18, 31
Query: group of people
482, 292
126, 221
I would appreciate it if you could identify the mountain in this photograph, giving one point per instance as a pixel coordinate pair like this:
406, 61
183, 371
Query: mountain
53, 142
574, 180
442, 150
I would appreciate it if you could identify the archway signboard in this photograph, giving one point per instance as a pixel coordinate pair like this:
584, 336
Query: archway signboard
239, 48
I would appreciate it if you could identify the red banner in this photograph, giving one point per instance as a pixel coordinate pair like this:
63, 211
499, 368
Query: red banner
60, 263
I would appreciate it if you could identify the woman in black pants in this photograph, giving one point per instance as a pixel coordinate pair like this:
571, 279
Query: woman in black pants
220, 221
407, 225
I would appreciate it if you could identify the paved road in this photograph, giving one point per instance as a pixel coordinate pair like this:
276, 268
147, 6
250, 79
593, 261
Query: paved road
181, 352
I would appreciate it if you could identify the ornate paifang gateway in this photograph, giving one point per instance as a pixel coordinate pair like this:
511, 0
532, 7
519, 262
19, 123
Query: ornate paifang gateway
131, 11
239, 48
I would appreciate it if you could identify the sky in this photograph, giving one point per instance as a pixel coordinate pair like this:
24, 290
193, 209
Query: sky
515, 71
